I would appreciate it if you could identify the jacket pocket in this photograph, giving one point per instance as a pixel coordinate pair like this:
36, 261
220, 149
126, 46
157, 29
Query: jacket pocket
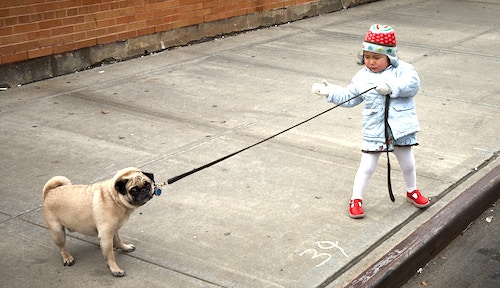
403, 120
373, 124
403, 106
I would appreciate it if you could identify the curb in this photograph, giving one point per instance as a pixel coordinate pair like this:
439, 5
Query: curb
400, 263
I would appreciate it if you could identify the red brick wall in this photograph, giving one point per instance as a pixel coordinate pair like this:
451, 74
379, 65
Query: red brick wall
34, 28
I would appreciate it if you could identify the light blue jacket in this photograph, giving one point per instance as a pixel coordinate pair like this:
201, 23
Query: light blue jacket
404, 82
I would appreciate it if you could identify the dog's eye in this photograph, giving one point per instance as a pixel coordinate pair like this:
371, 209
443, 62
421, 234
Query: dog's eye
134, 189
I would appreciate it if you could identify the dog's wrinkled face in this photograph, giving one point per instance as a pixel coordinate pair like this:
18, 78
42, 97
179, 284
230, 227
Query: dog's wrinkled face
137, 188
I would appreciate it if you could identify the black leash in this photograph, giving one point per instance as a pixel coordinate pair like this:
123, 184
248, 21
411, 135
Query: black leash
179, 177
387, 136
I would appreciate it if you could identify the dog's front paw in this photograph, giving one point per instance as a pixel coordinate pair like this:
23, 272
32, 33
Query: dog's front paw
127, 247
119, 273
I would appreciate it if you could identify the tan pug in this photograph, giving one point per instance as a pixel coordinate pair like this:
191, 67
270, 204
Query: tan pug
98, 209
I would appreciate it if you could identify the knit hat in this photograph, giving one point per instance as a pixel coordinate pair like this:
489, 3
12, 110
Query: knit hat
382, 39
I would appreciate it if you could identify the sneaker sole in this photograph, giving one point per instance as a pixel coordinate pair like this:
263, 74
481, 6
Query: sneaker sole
356, 216
418, 205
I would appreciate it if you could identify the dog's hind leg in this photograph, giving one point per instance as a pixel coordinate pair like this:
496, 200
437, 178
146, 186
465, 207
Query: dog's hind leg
58, 234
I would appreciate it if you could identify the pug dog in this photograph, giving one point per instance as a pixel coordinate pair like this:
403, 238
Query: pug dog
98, 209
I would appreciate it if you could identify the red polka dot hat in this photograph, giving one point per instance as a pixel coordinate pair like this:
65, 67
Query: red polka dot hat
382, 39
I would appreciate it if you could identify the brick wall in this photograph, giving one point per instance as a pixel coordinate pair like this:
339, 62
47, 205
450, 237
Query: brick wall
35, 28
32, 32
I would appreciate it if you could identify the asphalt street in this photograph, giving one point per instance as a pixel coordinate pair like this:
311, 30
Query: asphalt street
470, 261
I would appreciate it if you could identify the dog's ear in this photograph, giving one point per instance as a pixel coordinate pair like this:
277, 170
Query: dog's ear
121, 186
150, 176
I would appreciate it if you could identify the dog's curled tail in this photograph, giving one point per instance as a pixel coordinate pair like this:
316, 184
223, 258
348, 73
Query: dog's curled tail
55, 182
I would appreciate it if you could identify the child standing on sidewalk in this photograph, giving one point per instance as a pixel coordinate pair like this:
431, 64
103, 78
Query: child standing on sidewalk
397, 80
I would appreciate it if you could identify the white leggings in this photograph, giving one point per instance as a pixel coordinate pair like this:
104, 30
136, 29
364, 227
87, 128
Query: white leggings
368, 165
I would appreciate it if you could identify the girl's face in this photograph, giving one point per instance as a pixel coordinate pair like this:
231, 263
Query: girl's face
375, 62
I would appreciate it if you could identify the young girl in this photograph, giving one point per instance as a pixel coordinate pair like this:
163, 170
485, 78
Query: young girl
392, 78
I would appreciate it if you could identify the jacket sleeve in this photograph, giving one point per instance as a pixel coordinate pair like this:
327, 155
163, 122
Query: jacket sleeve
339, 94
405, 82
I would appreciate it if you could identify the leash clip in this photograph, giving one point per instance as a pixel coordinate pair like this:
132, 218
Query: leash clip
157, 189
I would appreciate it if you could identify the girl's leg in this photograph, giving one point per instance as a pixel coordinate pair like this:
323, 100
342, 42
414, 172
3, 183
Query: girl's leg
406, 161
367, 166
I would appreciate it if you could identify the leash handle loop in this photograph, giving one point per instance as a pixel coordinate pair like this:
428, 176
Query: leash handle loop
387, 139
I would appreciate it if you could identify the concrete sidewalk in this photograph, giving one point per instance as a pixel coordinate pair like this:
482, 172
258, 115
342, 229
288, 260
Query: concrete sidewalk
274, 215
